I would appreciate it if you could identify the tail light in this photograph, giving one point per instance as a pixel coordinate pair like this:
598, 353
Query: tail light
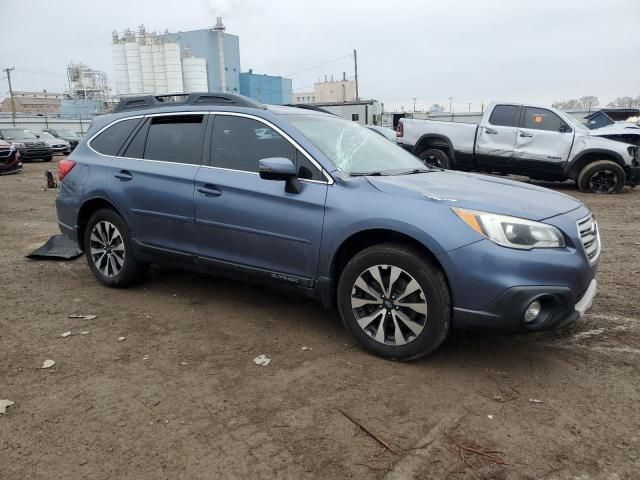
400, 129
64, 167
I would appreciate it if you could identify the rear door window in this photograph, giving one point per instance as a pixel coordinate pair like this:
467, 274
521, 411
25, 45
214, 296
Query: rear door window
175, 138
111, 140
542, 119
505, 116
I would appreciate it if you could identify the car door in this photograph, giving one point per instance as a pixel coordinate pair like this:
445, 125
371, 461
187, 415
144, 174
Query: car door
543, 143
496, 138
250, 224
153, 181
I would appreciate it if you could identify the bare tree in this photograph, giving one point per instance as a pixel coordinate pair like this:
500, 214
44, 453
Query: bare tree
589, 101
436, 108
572, 104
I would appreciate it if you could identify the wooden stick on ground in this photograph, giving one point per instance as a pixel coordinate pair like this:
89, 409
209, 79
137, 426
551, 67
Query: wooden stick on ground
367, 431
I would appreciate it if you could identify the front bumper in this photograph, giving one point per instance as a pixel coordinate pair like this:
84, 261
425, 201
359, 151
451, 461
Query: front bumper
35, 152
506, 313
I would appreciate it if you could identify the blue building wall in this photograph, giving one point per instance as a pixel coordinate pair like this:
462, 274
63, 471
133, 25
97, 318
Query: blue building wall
204, 44
266, 88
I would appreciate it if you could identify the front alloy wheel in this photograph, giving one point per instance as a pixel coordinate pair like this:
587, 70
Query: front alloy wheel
389, 305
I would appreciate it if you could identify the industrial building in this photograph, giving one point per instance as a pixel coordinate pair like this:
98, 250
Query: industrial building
88, 91
364, 112
329, 91
32, 102
148, 63
266, 88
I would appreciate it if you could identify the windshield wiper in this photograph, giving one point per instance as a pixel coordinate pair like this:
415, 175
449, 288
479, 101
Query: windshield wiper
367, 174
416, 170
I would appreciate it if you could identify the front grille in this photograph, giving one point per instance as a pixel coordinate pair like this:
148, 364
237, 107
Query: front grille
590, 237
5, 153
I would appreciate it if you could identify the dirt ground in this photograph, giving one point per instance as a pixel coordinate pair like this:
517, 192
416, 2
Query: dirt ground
180, 397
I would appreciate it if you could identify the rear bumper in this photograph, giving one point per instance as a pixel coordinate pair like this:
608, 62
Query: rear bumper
68, 231
559, 309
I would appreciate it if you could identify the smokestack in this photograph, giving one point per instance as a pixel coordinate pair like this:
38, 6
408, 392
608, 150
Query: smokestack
344, 76
220, 28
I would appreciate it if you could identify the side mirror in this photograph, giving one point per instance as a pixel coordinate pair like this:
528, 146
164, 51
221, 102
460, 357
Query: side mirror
565, 129
280, 168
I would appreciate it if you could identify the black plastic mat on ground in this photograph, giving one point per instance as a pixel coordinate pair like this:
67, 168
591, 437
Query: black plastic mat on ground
57, 247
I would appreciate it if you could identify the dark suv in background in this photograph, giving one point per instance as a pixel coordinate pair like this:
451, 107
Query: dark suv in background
67, 135
29, 146
308, 200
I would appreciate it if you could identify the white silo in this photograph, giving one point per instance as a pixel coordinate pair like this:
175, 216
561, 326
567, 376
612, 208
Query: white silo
194, 74
134, 69
159, 68
173, 68
120, 67
146, 64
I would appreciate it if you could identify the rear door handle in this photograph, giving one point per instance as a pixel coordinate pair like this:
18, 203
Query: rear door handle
123, 175
209, 190
526, 134
490, 130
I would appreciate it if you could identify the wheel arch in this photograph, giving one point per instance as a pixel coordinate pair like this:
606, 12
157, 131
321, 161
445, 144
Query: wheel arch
88, 208
434, 140
591, 155
366, 238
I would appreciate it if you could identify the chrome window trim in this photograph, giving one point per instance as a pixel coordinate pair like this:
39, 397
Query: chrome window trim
329, 178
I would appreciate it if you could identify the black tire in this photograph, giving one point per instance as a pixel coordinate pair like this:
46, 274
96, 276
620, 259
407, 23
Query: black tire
435, 158
47, 159
432, 284
602, 176
131, 271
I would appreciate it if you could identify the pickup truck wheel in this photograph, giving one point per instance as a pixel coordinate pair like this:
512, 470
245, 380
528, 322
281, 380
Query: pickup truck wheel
109, 251
395, 301
435, 158
603, 176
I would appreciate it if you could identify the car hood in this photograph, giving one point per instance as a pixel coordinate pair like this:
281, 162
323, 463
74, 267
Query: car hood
618, 128
479, 192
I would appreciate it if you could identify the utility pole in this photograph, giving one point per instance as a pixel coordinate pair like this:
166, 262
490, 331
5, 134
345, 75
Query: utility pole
414, 104
13, 103
451, 107
469, 106
355, 65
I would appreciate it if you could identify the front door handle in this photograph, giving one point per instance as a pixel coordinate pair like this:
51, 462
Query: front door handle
209, 190
123, 175
490, 130
526, 134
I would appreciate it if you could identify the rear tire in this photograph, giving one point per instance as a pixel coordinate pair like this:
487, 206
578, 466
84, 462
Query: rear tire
602, 176
109, 251
405, 318
47, 159
435, 158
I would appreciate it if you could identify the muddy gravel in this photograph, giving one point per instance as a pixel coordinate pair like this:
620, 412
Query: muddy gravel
179, 397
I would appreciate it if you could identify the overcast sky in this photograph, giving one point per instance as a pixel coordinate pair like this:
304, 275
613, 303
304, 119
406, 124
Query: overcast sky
473, 50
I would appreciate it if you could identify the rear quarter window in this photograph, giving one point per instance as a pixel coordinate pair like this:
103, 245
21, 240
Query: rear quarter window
111, 140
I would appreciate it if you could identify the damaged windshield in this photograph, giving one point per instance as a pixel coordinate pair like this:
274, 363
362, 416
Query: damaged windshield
353, 149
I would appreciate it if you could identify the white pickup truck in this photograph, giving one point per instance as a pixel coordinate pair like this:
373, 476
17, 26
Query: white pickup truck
538, 142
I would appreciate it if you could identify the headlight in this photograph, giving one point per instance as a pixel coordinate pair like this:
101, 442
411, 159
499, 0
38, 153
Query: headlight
18, 145
512, 232
12, 148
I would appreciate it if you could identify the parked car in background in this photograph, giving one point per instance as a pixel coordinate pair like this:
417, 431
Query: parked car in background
539, 142
10, 161
29, 146
67, 135
307, 200
58, 145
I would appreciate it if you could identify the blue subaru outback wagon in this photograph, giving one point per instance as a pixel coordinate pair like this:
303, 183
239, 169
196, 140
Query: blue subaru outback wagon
297, 197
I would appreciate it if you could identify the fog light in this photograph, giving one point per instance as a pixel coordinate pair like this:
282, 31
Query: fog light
532, 311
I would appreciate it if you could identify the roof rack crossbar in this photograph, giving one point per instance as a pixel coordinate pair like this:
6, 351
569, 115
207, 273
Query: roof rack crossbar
140, 102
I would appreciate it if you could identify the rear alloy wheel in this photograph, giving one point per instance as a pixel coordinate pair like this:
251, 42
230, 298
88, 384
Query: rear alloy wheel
109, 251
394, 301
435, 158
603, 176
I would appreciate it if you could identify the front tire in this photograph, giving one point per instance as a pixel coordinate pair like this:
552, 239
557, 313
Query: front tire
602, 176
433, 157
395, 301
47, 159
109, 251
